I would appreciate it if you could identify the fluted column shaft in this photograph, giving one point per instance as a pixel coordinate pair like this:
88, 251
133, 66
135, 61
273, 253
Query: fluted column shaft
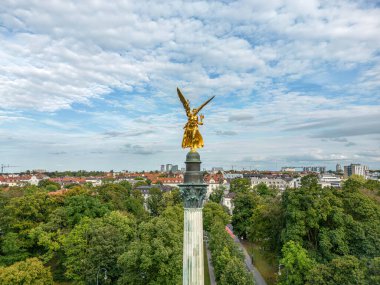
193, 267
193, 193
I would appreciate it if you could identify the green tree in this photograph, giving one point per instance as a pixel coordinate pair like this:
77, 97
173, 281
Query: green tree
296, 263
235, 273
172, 198
156, 256
141, 182
25, 212
135, 205
358, 178
126, 184
244, 205
315, 218
155, 201
343, 270
212, 213
217, 195
28, 272
114, 194
97, 243
266, 224
240, 185
12, 249
224, 249
373, 185
46, 183
262, 189
373, 271
79, 206
309, 181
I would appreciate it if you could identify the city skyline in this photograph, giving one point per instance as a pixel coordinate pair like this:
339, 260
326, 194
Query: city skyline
93, 86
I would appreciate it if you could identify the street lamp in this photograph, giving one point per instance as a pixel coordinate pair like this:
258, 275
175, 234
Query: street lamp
97, 275
280, 266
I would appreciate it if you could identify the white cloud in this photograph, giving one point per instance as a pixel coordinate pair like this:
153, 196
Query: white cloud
54, 55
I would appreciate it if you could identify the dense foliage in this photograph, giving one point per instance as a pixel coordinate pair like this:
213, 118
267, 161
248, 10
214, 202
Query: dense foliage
77, 235
217, 194
227, 258
323, 235
28, 272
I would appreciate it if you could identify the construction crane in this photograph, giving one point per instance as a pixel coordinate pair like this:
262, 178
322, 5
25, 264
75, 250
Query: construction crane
6, 166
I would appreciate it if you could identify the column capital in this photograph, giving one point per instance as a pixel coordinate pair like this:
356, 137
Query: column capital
193, 194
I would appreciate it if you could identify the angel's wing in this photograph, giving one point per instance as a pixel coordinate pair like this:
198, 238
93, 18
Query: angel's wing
204, 104
185, 102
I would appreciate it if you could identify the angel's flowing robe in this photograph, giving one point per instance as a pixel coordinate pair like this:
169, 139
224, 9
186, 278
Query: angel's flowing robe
192, 138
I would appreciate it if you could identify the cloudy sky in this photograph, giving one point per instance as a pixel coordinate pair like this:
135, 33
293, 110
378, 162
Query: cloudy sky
92, 84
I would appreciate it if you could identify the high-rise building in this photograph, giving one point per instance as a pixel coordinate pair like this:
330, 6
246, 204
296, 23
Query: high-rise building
162, 168
357, 169
168, 167
338, 168
174, 168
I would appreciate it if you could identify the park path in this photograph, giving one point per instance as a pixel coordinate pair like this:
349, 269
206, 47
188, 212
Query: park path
210, 267
248, 261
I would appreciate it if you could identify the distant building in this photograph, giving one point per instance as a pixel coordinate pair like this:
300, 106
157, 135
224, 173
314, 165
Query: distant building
214, 181
168, 167
38, 170
95, 181
294, 182
162, 168
288, 169
375, 175
144, 189
338, 168
232, 175
216, 169
170, 181
33, 180
228, 201
174, 168
279, 183
319, 169
329, 180
357, 169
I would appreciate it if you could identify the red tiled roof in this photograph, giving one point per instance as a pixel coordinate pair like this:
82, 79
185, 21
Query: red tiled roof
216, 177
170, 179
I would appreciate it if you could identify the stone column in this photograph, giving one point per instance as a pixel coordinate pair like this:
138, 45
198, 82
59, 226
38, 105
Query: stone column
193, 192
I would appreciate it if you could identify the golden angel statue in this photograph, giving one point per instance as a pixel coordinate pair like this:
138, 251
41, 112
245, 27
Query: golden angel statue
192, 138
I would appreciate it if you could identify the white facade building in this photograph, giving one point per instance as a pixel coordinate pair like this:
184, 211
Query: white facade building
277, 182
270, 182
329, 180
94, 181
228, 201
33, 180
357, 169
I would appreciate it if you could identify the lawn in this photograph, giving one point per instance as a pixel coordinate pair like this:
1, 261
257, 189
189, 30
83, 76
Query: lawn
264, 262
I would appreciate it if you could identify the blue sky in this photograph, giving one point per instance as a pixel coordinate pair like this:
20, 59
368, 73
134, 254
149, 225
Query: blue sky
92, 84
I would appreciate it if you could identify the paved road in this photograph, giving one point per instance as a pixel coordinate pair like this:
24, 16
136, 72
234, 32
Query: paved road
210, 267
248, 262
